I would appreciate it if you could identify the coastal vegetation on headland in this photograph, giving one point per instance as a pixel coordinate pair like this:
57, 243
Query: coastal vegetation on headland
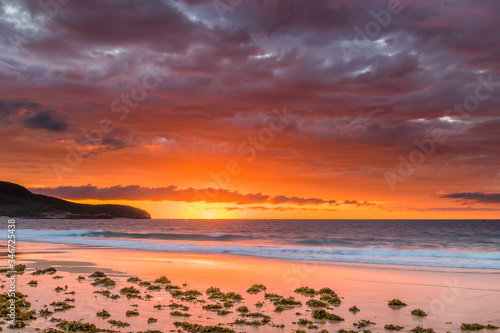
18, 202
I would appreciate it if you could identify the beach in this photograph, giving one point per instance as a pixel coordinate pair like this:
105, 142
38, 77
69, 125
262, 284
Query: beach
449, 296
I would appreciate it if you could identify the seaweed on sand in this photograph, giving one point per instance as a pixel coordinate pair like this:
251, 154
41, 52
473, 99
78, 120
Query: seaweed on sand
118, 323
61, 306
45, 312
392, 327
134, 279
180, 314
104, 282
242, 309
163, 280
354, 309
419, 312
132, 313
154, 288
174, 305
304, 322
103, 314
215, 293
323, 314
314, 303
77, 326
256, 288
363, 323
420, 329
290, 301
97, 274
188, 295
396, 302
196, 328
476, 327
212, 307
50, 270
330, 299
306, 291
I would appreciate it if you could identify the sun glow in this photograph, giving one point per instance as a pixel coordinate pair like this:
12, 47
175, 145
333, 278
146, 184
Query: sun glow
208, 214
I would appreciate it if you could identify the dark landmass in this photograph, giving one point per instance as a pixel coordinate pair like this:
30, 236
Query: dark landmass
18, 202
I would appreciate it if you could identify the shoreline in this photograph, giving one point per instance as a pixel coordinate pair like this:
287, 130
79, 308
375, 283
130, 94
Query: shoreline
447, 295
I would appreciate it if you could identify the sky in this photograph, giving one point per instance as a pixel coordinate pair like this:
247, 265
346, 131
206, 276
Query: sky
255, 108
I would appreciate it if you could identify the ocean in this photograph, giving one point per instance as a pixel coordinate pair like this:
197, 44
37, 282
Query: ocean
473, 244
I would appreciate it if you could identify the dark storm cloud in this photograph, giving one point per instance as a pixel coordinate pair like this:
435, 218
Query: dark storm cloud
8, 107
46, 119
474, 197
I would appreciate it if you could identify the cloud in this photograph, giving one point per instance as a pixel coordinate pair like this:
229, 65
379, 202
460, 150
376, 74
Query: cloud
453, 209
174, 193
281, 199
46, 119
10, 107
474, 197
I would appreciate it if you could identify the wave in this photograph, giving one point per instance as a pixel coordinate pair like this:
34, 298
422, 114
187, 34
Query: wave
191, 243
132, 235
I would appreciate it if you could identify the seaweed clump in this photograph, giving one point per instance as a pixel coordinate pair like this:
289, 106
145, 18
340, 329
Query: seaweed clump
154, 288
134, 279
242, 309
131, 313
363, 323
290, 301
420, 329
419, 312
476, 327
152, 320
397, 302
306, 291
163, 280
17, 269
354, 309
330, 299
103, 314
215, 293
212, 307
188, 295
256, 288
392, 327
97, 274
61, 306
104, 282
45, 312
196, 328
76, 326
314, 303
50, 270
118, 323
322, 314
180, 314
130, 292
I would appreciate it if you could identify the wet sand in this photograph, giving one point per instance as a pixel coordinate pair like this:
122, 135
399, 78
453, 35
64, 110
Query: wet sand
448, 296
